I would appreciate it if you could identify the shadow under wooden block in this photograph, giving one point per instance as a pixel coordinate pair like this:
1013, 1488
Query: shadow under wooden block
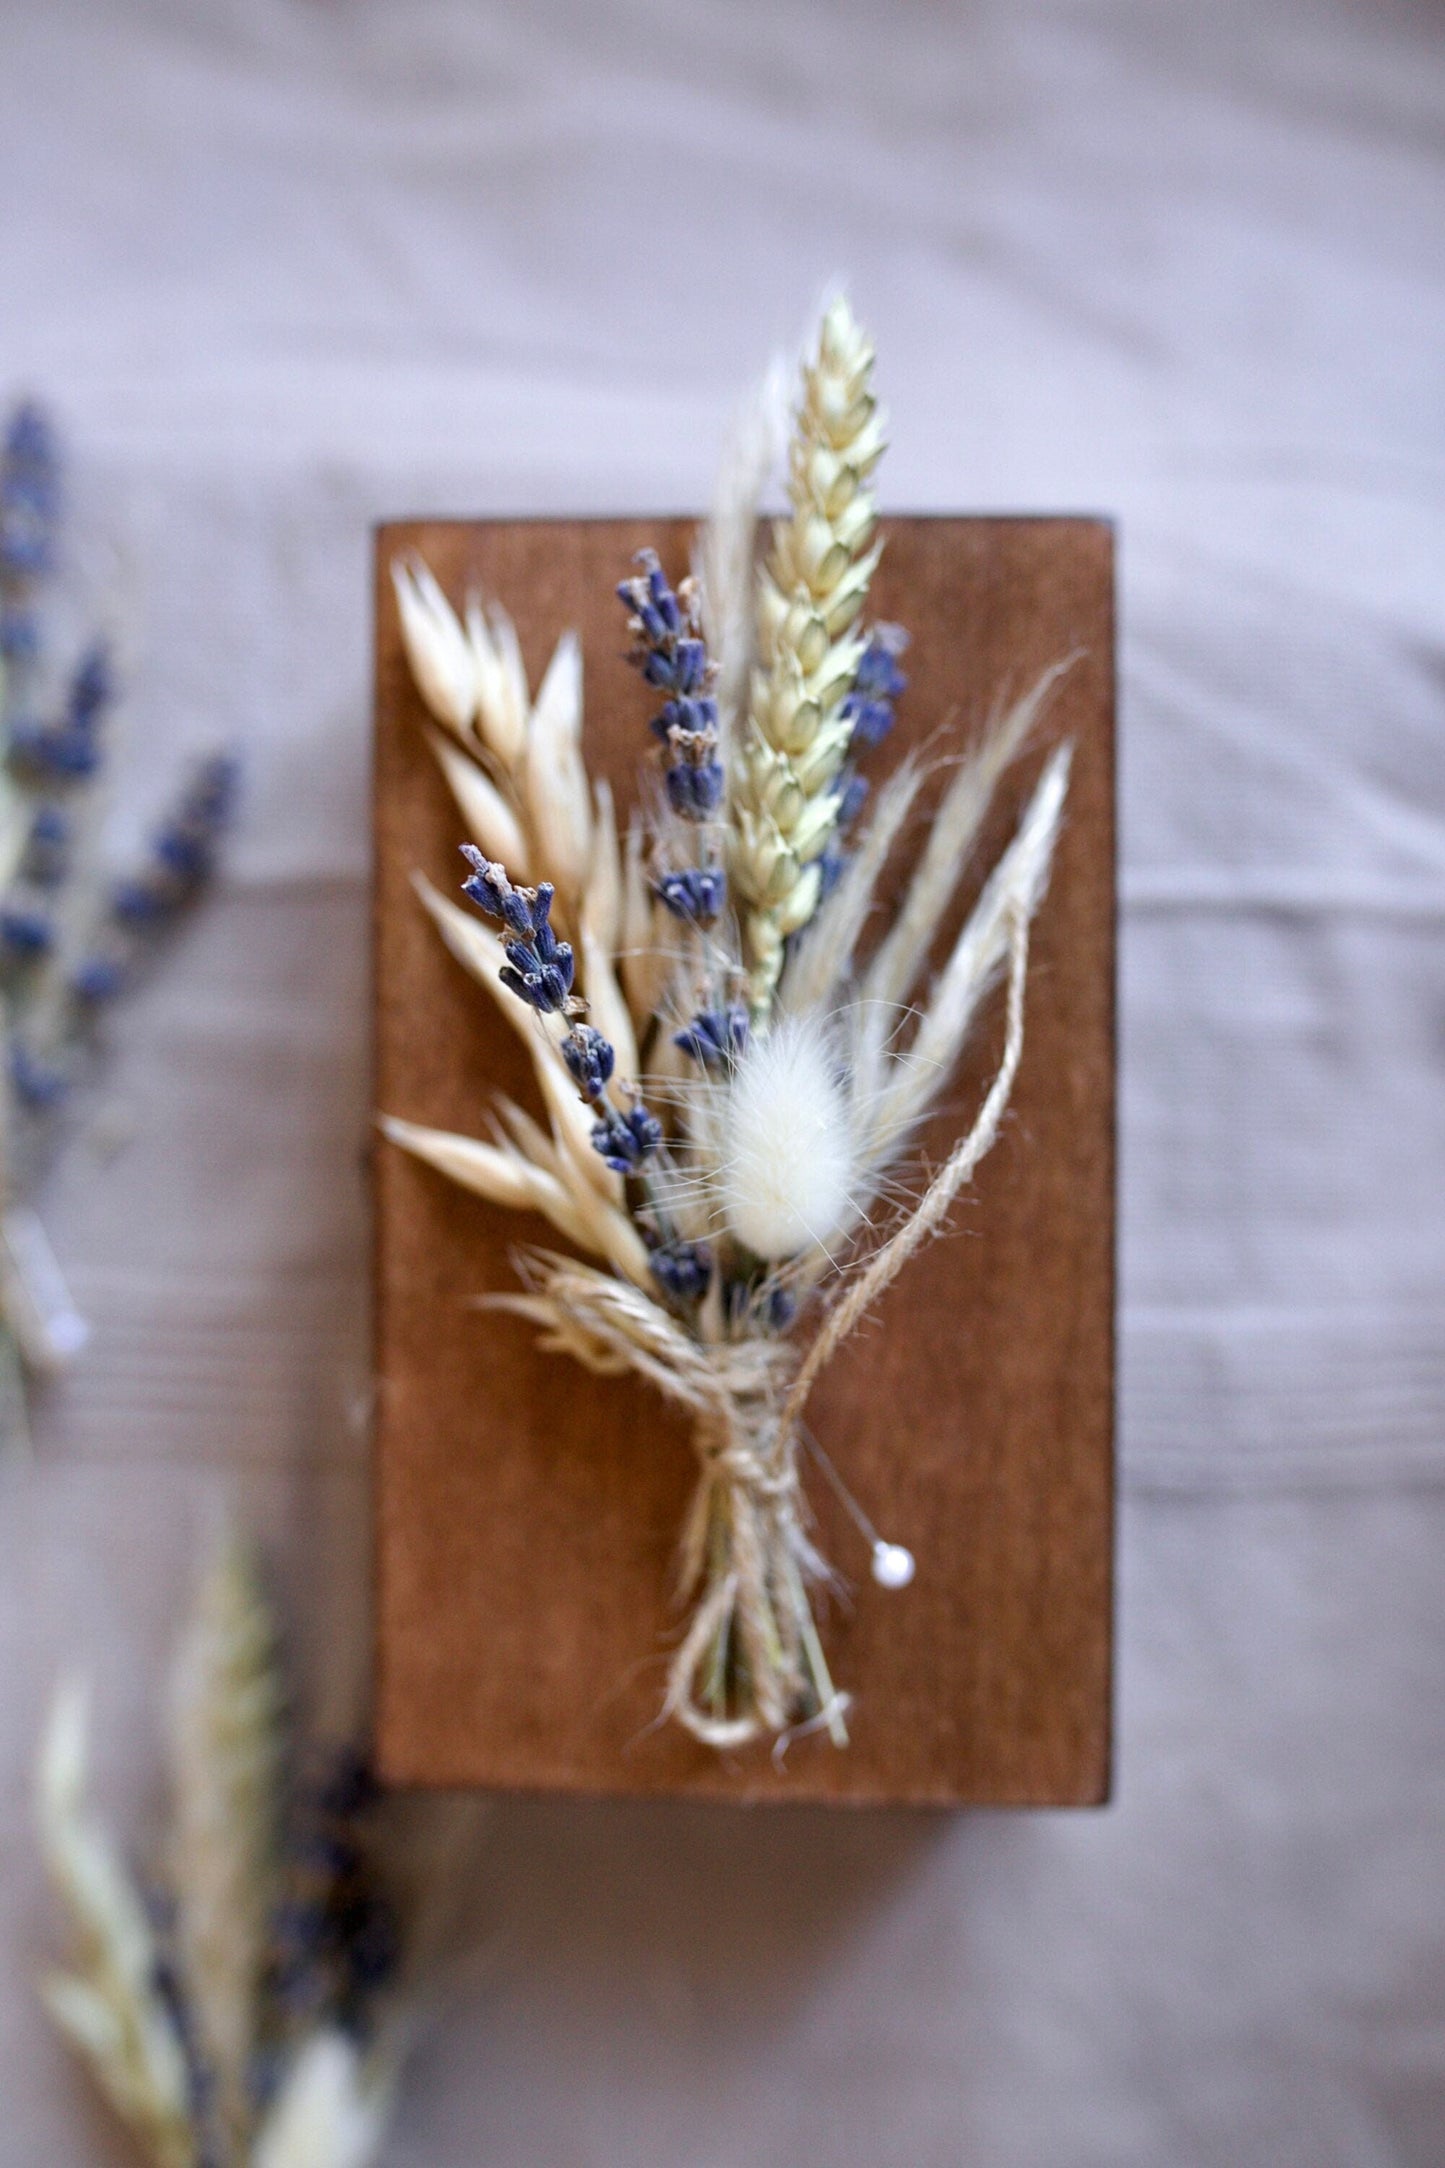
528, 1512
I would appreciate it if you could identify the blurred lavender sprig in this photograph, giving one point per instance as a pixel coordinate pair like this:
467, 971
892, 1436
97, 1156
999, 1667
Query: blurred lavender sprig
73, 937
29, 517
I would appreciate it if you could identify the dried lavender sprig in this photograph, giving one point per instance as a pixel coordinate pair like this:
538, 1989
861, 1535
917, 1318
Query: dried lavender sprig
869, 707
715, 1037
94, 963
669, 651
183, 849
29, 496
877, 686
69, 748
336, 1939
539, 971
683, 1270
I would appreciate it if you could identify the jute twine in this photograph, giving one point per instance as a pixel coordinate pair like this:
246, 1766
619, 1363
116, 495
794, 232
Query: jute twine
750, 1663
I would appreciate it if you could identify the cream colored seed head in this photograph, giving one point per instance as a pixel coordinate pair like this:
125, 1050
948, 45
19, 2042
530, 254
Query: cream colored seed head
792, 746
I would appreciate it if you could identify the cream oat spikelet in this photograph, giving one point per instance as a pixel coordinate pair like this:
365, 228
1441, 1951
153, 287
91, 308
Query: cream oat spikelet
791, 747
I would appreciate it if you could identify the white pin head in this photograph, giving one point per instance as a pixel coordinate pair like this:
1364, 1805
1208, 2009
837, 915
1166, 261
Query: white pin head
893, 1566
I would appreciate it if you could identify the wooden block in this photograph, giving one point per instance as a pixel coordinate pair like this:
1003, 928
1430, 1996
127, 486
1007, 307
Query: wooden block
527, 1512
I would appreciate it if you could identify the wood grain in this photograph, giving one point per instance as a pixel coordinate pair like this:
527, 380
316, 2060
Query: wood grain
527, 1512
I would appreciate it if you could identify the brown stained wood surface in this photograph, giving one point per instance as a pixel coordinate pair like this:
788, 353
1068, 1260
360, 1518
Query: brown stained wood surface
527, 1512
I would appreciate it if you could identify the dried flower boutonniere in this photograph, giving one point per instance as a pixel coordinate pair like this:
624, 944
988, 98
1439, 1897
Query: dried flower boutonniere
733, 1064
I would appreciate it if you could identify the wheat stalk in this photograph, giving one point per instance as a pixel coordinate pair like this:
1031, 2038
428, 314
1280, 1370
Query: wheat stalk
789, 753
226, 1714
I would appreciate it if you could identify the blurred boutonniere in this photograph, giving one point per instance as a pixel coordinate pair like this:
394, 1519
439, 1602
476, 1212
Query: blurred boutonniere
251, 2003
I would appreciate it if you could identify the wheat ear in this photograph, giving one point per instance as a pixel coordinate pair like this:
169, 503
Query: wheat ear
790, 750
226, 1718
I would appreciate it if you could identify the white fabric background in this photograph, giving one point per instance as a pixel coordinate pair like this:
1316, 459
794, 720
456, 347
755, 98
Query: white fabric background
289, 267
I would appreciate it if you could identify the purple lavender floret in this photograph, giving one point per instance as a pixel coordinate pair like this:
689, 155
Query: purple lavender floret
47, 847
659, 614
29, 496
539, 968
590, 1059
852, 797
98, 979
182, 853
669, 651
39, 1084
694, 779
19, 633
57, 750
697, 895
878, 684
70, 748
682, 1269
625, 1140
489, 889
92, 687
715, 1037
32, 456
539, 972
25, 933
830, 864
684, 713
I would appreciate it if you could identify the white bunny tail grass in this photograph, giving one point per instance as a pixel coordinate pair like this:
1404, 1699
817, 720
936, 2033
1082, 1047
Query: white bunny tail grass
226, 1726
107, 2004
787, 1157
332, 2109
